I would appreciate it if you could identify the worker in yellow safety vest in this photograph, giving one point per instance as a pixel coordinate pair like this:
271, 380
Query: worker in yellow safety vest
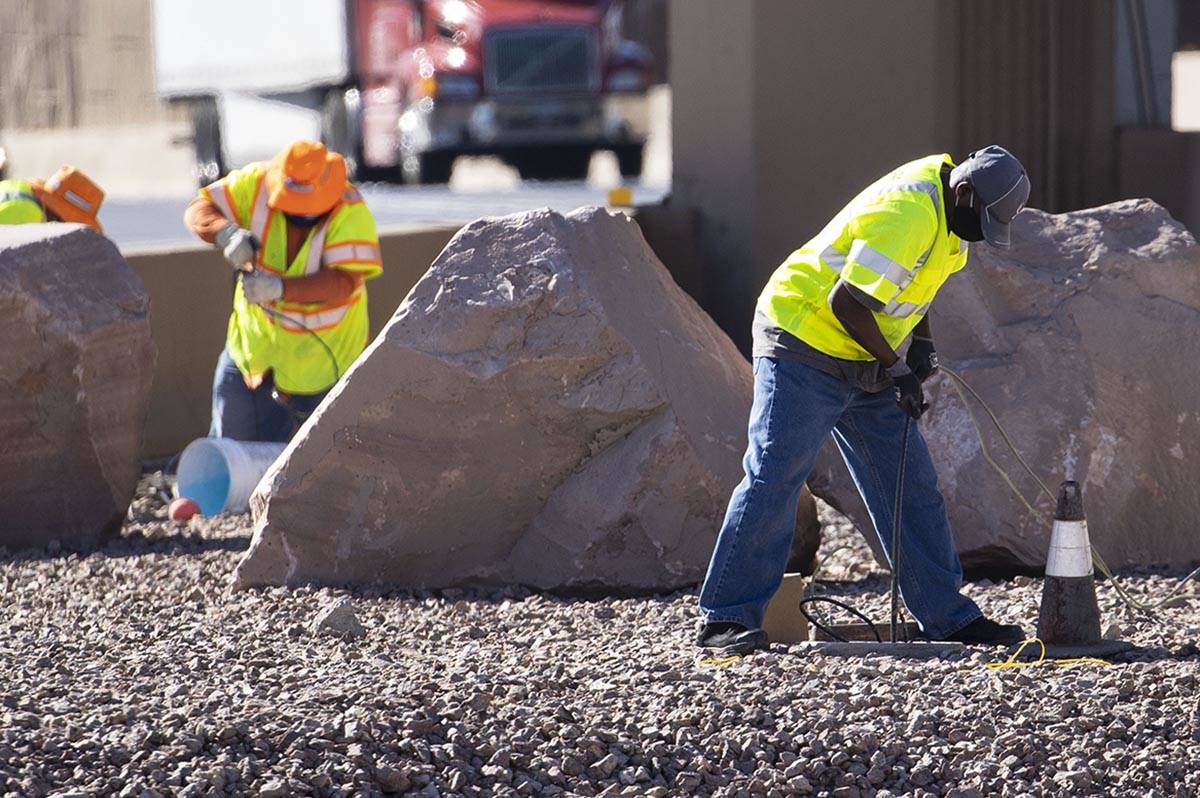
826, 330
304, 243
68, 196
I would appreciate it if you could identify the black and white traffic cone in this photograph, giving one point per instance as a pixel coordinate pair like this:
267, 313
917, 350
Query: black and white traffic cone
1069, 618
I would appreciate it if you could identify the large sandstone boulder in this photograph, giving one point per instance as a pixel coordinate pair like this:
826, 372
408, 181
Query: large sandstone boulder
1085, 339
546, 408
75, 367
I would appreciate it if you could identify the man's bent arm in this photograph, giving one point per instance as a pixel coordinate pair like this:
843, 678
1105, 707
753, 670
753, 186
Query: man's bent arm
327, 286
860, 325
203, 219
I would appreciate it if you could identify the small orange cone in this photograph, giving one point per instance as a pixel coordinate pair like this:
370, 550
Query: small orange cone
1069, 618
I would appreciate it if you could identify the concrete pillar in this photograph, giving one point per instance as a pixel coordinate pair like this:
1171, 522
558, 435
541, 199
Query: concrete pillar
783, 110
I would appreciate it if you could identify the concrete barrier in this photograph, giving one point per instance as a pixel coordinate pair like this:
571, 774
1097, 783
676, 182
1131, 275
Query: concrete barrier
190, 291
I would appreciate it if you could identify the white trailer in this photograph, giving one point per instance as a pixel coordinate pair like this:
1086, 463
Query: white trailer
255, 73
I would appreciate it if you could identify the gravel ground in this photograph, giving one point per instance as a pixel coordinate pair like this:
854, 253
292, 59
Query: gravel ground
133, 671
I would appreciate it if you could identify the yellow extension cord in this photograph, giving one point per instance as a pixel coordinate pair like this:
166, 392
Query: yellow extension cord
718, 662
1170, 600
1012, 662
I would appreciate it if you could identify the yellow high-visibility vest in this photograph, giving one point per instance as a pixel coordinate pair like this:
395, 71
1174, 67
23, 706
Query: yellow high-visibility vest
281, 341
18, 203
891, 242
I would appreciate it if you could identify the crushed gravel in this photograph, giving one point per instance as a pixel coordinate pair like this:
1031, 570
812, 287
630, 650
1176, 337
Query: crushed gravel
133, 671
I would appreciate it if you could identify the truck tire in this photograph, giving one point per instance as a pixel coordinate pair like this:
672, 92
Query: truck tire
206, 141
630, 159
341, 131
427, 168
553, 163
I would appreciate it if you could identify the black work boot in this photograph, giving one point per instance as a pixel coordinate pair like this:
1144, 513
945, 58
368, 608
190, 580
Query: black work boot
986, 632
727, 639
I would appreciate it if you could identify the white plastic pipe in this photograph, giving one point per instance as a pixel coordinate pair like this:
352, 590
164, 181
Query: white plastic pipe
219, 474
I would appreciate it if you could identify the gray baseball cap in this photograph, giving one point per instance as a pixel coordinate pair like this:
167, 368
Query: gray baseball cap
1002, 187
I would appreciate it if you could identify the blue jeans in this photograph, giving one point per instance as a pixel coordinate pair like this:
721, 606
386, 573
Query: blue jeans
795, 407
253, 415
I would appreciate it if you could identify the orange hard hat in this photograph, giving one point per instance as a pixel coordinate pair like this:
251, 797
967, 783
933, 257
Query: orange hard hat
71, 196
305, 179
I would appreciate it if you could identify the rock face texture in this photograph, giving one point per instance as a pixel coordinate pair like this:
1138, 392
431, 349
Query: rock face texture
546, 408
1083, 339
75, 371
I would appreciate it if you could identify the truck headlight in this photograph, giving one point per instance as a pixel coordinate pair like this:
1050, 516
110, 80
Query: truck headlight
457, 87
626, 80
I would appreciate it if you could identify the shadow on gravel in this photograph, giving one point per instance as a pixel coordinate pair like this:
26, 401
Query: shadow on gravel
854, 587
135, 545
501, 595
1144, 654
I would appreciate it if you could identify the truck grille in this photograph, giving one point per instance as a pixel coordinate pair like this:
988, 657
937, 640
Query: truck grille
563, 59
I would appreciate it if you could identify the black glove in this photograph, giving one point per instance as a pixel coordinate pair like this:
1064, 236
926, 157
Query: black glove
922, 358
909, 395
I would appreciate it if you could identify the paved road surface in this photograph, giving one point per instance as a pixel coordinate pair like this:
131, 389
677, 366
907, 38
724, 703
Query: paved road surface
138, 224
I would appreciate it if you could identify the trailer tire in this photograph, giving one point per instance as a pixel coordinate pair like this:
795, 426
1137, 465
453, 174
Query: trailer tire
428, 168
630, 160
209, 162
553, 163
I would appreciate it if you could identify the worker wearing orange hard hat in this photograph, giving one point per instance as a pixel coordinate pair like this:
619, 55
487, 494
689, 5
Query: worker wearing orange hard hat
68, 196
304, 244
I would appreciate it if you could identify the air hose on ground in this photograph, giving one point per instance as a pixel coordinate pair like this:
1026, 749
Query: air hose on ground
809, 600
819, 621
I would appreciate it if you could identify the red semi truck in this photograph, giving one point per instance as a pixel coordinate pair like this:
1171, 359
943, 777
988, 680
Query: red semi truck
403, 87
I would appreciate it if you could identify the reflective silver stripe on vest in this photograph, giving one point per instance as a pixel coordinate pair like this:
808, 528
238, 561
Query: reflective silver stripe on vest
298, 320
350, 253
879, 263
260, 217
319, 318
930, 190
901, 310
833, 259
16, 196
316, 248
923, 186
216, 193
837, 261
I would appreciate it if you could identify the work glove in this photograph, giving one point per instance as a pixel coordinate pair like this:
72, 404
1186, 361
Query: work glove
261, 287
922, 358
237, 245
909, 395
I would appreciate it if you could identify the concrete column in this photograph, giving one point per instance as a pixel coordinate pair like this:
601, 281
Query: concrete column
783, 110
